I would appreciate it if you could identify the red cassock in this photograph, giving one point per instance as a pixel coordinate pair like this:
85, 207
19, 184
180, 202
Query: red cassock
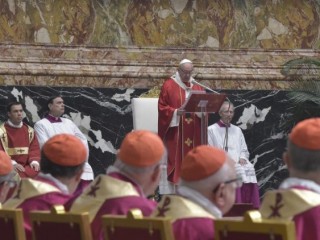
23, 151
41, 199
181, 139
308, 224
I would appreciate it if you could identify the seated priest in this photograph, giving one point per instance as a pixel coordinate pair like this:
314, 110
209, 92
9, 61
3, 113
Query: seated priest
206, 191
229, 137
62, 159
134, 176
298, 197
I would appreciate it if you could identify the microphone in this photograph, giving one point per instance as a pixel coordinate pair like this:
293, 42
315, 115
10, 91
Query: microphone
204, 86
207, 88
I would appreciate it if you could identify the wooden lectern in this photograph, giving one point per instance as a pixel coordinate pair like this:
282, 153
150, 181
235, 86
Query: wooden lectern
203, 103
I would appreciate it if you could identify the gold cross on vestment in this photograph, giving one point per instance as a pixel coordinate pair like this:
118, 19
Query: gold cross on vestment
20, 151
277, 206
188, 120
188, 142
164, 208
94, 188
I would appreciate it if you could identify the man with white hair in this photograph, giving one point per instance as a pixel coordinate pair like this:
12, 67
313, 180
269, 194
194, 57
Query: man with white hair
180, 132
62, 160
229, 137
298, 197
206, 192
134, 176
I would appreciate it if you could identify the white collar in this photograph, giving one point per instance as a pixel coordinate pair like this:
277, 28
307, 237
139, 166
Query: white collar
291, 182
113, 169
13, 125
201, 200
59, 184
177, 79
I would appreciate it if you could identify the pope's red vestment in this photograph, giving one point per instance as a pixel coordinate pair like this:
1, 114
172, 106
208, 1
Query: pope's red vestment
180, 139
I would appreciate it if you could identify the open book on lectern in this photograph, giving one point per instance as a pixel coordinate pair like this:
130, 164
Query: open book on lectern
201, 101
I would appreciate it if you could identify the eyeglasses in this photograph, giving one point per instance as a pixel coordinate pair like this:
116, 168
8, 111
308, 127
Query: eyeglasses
185, 72
227, 111
237, 180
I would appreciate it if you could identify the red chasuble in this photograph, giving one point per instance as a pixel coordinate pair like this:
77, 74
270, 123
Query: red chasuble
296, 203
21, 149
114, 194
178, 140
190, 221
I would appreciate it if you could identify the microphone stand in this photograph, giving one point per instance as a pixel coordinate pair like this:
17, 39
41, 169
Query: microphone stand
207, 88
204, 86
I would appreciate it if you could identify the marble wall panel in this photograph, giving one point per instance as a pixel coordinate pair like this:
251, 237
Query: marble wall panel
219, 24
104, 115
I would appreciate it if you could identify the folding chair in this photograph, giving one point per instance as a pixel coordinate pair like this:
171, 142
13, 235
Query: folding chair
58, 224
253, 227
135, 226
11, 224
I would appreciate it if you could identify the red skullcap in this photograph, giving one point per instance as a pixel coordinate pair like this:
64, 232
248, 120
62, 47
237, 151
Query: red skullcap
141, 149
201, 162
65, 150
306, 134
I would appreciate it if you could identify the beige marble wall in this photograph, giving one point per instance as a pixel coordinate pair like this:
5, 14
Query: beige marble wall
137, 43
148, 67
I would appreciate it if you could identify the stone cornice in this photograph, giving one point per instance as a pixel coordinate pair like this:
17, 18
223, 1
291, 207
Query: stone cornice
137, 67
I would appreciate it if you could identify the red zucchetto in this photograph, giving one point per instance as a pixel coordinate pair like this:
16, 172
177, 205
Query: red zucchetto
201, 162
141, 149
306, 134
65, 150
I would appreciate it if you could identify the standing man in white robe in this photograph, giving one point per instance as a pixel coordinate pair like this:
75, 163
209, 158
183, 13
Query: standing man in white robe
229, 137
53, 124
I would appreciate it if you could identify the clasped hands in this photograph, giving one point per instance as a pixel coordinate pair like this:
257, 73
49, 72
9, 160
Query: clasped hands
34, 165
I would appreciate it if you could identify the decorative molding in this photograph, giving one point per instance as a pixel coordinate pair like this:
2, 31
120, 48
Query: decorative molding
57, 65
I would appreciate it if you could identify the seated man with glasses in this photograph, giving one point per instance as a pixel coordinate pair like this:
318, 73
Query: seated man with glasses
206, 191
134, 176
229, 137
